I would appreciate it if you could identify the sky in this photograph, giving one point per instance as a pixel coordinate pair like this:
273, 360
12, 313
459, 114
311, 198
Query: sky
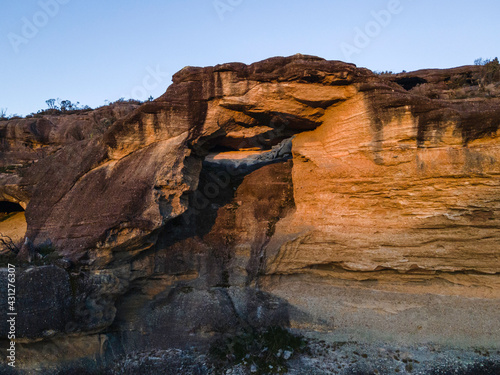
93, 51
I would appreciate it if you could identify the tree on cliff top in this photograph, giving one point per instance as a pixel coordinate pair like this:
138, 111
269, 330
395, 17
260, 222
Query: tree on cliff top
490, 70
3, 114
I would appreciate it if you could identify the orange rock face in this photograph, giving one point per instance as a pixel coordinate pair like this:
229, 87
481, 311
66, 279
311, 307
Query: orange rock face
380, 221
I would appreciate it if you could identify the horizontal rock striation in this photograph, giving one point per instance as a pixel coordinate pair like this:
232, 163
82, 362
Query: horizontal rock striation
294, 191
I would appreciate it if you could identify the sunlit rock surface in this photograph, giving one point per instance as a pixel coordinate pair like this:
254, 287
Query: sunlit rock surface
294, 191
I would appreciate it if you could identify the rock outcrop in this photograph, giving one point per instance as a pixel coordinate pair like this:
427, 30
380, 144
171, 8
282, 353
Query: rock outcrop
294, 191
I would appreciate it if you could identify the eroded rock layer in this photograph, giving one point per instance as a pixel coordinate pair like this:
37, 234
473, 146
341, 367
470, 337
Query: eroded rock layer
294, 191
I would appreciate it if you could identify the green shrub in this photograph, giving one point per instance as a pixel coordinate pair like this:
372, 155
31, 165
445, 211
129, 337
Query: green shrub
8, 169
263, 352
490, 70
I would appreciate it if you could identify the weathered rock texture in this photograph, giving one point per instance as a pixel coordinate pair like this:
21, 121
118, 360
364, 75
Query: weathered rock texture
182, 221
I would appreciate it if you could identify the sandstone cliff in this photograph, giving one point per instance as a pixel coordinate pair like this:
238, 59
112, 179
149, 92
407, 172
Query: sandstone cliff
294, 191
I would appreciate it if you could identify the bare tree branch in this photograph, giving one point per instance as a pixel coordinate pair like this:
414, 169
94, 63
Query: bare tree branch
8, 244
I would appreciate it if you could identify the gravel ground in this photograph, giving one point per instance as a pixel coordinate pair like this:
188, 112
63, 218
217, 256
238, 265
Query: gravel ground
353, 358
320, 358
324, 358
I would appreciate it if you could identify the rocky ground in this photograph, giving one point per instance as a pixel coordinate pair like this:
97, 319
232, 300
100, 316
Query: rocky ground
330, 359
320, 358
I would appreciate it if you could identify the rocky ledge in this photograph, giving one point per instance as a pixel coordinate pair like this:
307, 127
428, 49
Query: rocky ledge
294, 192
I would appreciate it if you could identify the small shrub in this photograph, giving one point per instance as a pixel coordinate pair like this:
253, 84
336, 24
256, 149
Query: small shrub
490, 70
45, 249
462, 80
8, 245
46, 254
105, 123
263, 352
426, 89
123, 100
59, 107
8, 169
8, 250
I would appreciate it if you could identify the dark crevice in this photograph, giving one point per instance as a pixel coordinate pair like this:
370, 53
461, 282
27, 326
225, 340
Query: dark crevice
218, 149
216, 188
282, 128
10, 207
414, 270
409, 83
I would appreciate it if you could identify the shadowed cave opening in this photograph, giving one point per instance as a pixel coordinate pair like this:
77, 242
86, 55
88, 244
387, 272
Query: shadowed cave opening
218, 149
225, 165
7, 209
216, 188
218, 183
226, 162
409, 83
270, 129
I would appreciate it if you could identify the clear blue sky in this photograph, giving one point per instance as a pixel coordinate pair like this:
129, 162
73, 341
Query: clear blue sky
96, 50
